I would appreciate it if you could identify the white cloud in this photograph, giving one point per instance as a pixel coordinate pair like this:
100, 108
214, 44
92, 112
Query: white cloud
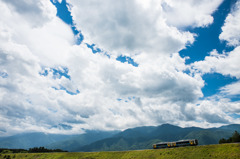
36, 13
101, 81
214, 110
231, 29
189, 12
127, 27
55, 1
231, 89
113, 95
135, 26
226, 63
42, 36
219, 108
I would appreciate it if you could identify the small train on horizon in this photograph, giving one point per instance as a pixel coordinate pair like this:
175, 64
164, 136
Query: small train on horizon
180, 143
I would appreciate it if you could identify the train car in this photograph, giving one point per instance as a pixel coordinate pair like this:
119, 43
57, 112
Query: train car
188, 142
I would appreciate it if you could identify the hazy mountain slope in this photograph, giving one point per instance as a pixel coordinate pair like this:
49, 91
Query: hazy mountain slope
75, 142
145, 136
130, 139
231, 127
206, 137
29, 140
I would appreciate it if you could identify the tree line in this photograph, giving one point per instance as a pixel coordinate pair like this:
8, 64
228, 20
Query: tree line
234, 138
31, 150
43, 149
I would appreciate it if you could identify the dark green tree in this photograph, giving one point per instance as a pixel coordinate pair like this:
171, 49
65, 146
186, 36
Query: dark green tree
222, 141
235, 138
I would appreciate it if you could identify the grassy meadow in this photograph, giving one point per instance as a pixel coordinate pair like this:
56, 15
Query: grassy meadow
231, 151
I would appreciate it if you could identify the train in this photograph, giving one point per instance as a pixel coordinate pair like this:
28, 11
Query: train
180, 143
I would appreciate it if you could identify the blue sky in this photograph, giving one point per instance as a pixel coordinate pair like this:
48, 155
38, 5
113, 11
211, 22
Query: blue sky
115, 65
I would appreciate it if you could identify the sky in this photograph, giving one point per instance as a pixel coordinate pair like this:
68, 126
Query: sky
67, 66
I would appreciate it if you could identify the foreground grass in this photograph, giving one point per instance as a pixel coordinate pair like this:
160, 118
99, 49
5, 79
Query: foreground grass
231, 151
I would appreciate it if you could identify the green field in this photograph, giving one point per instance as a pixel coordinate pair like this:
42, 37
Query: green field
231, 151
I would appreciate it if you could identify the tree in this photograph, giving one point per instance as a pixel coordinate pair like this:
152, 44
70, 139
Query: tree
222, 141
235, 138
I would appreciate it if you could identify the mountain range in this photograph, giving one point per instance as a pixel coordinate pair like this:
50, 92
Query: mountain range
129, 139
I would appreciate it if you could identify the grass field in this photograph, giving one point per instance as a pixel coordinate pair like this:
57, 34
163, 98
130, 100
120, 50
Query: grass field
231, 151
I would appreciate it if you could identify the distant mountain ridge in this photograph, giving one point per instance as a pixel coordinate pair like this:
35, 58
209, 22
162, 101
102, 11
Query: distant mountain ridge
53, 141
129, 139
144, 137
74, 142
28, 140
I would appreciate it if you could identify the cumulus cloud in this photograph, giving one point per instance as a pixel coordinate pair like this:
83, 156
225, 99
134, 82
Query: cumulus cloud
34, 12
136, 26
127, 27
226, 63
48, 83
40, 38
231, 89
231, 29
189, 12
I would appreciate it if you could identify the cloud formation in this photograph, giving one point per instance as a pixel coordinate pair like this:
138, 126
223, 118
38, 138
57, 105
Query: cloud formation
231, 30
50, 84
189, 12
224, 63
127, 27
227, 64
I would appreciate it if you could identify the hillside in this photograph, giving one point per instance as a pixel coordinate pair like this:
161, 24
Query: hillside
76, 141
130, 139
28, 140
144, 137
227, 151
53, 141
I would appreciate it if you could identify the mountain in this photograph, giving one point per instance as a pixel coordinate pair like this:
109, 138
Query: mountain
130, 139
53, 141
144, 137
231, 127
76, 142
137, 132
28, 140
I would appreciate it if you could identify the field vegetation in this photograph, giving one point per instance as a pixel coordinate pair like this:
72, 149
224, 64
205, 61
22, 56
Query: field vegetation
231, 151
